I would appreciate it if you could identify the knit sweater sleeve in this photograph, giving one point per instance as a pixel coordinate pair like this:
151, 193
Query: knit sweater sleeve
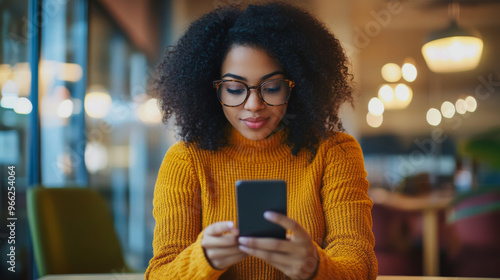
177, 251
347, 250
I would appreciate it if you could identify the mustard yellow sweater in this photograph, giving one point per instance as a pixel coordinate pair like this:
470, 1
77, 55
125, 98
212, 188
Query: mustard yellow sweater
327, 196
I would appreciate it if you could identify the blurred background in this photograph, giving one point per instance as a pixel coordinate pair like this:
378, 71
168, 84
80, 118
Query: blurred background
77, 110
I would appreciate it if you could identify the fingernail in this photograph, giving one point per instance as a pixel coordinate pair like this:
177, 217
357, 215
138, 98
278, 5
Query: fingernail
268, 215
230, 224
243, 240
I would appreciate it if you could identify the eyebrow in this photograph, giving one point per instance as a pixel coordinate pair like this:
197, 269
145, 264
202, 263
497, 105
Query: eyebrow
244, 79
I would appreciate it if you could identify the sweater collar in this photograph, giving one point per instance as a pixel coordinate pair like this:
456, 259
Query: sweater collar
271, 148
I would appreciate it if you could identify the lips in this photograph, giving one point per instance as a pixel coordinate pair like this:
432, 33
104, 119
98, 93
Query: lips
257, 119
255, 122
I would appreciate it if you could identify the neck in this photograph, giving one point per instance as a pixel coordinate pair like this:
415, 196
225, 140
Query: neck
271, 148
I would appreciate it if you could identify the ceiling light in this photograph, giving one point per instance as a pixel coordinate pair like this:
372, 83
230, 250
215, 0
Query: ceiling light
454, 48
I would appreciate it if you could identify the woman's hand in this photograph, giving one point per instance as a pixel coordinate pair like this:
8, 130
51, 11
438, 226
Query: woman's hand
221, 249
297, 257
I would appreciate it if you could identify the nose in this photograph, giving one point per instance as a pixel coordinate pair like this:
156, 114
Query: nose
254, 103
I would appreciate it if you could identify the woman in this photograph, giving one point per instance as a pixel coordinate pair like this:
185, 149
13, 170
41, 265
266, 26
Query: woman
256, 94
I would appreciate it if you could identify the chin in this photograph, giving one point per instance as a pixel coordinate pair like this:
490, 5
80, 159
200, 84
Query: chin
258, 135
253, 136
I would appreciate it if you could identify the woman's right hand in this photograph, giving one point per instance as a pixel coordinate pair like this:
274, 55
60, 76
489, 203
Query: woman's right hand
221, 250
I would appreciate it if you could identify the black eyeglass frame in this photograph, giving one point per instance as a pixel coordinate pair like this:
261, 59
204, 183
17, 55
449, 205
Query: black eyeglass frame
217, 84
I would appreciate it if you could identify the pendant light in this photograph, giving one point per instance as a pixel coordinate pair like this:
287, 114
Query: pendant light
453, 49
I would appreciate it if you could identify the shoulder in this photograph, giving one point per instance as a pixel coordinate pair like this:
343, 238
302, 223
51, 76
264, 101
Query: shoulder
179, 148
180, 151
178, 160
340, 144
341, 154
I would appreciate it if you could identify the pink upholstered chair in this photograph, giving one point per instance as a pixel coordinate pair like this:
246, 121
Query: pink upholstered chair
396, 250
474, 227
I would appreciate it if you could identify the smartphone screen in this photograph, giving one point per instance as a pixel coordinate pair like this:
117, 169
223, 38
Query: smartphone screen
253, 198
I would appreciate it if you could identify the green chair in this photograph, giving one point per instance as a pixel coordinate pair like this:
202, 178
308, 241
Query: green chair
484, 148
475, 202
72, 232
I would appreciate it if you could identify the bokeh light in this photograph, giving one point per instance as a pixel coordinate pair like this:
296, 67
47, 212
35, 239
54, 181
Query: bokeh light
409, 72
402, 92
391, 72
471, 103
385, 93
65, 108
375, 106
433, 116
96, 157
461, 106
149, 112
97, 104
447, 109
373, 120
23, 106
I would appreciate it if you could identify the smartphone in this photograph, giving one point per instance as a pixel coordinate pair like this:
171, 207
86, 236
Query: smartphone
253, 198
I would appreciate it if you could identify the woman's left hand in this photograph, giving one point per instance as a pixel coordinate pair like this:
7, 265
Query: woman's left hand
296, 257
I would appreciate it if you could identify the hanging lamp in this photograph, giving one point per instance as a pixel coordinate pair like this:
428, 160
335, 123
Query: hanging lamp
453, 49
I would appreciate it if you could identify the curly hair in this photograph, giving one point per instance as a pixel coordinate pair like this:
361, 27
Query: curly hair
302, 45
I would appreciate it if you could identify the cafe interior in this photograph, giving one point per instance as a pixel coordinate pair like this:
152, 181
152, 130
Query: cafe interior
78, 114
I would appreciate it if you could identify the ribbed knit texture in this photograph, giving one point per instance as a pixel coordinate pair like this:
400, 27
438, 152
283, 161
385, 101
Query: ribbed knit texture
327, 196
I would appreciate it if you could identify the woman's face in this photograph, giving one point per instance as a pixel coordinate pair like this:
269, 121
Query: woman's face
254, 119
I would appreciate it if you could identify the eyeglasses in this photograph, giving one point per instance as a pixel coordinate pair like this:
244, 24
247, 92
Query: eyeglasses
233, 93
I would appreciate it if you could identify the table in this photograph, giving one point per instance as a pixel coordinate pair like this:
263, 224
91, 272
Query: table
110, 276
428, 278
429, 205
140, 276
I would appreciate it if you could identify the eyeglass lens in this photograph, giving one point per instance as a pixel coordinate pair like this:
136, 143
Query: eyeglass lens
274, 92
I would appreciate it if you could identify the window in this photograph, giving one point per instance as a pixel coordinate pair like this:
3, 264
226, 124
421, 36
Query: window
90, 122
